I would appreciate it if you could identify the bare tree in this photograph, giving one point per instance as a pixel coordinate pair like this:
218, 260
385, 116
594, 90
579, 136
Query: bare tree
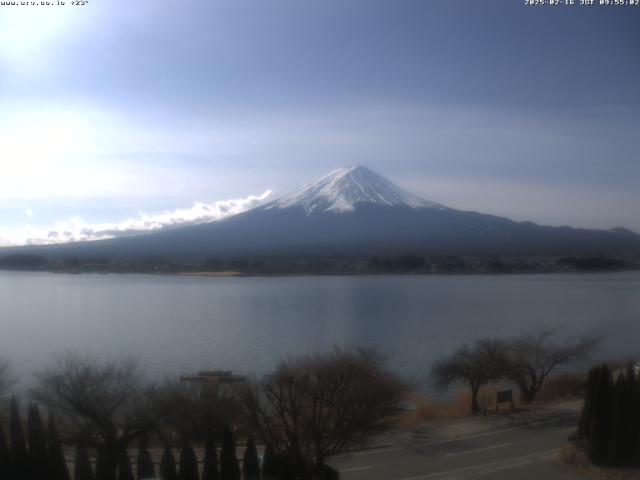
194, 416
107, 401
478, 364
6, 377
532, 356
315, 406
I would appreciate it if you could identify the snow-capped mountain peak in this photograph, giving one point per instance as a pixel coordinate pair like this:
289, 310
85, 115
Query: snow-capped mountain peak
345, 188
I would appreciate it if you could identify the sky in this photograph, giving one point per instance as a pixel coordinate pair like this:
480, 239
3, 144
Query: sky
121, 115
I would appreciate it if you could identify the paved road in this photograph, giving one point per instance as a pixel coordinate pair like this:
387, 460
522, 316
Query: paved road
522, 448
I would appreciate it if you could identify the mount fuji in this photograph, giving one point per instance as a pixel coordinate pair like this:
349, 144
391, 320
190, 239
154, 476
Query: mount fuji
346, 188
353, 211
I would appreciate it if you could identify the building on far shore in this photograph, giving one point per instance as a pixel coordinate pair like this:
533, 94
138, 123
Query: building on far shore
214, 383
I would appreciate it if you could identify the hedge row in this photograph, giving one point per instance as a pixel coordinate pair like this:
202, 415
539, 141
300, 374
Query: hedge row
39, 454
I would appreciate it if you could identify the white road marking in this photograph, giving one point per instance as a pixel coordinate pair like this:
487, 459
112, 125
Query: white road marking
374, 451
371, 452
481, 466
485, 434
548, 457
466, 437
505, 467
492, 447
356, 469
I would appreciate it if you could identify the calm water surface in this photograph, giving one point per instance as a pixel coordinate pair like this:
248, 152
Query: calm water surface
182, 324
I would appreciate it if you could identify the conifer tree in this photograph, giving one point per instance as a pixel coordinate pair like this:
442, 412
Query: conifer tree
618, 445
145, 468
58, 469
38, 457
210, 471
289, 470
168, 465
586, 416
600, 430
229, 467
125, 472
250, 461
188, 463
82, 465
103, 468
5, 457
19, 452
270, 464
633, 397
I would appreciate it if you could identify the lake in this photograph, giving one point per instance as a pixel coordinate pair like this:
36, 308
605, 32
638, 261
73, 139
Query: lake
246, 324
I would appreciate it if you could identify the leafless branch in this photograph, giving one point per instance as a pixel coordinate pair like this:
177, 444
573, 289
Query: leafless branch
315, 406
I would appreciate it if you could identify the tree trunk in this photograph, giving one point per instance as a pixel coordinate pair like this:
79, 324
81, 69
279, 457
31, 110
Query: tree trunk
527, 395
475, 407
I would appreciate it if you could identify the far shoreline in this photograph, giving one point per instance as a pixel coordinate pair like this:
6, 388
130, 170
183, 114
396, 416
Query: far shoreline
225, 273
330, 265
239, 274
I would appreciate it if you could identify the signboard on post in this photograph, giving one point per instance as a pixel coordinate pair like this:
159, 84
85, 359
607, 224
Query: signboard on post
504, 396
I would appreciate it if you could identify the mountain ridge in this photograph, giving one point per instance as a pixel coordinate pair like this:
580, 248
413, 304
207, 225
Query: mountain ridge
353, 211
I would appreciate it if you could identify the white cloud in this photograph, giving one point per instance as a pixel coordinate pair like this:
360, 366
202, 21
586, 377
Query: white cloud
76, 229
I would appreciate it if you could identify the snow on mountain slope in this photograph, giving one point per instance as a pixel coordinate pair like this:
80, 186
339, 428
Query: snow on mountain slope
343, 189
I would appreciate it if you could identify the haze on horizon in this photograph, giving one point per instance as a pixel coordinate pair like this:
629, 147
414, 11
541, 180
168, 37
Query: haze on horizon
118, 108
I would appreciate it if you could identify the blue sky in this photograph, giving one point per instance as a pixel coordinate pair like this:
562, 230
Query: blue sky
120, 107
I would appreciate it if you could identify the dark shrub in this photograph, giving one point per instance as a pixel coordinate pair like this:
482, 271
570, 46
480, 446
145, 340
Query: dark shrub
125, 472
600, 425
168, 465
229, 467
250, 461
19, 452
5, 457
38, 456
145, 468
82, 467
188, 463
57, 464
270, 464
210, 471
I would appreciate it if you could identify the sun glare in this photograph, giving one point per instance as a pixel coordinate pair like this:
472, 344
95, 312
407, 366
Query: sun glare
27, 33
40, 150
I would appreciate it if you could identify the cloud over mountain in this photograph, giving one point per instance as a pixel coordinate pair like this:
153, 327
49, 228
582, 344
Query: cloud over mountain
76, 229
